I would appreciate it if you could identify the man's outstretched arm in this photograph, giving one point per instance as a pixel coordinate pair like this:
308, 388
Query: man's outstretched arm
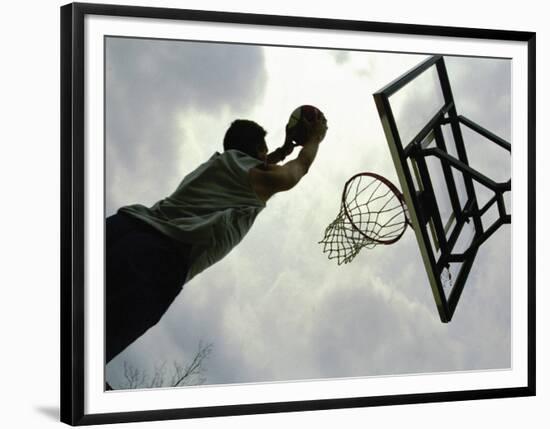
278, 178
280, 153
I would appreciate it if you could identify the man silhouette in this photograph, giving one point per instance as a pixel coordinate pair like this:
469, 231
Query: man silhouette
151, 252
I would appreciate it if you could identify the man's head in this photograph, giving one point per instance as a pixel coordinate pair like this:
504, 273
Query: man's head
246, 136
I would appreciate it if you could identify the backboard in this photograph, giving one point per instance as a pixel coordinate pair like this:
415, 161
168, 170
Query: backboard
426, 140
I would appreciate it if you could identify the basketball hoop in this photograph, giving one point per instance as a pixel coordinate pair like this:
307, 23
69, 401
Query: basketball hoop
372, 212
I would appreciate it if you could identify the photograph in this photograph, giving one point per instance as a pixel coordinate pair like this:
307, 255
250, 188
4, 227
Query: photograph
267, 213
216, 218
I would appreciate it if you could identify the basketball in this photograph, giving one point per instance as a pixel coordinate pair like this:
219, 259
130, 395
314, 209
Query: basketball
296, 121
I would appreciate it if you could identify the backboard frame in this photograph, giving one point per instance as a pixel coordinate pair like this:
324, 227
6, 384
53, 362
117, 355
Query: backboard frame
423, 209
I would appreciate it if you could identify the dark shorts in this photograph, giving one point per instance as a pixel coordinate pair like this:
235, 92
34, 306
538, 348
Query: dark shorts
145, 270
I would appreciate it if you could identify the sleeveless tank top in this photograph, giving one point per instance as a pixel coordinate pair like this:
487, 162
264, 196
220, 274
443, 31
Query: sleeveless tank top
212, 209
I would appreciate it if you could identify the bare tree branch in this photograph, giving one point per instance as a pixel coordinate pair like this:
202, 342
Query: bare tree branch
195, 367
180, 375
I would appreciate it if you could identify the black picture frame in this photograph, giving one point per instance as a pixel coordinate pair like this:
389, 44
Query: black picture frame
73, 211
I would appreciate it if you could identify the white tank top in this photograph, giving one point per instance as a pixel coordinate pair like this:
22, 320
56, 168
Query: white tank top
212, 208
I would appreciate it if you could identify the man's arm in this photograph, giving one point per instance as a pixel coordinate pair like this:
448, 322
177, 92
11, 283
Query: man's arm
282, 152
276, 156
278, 178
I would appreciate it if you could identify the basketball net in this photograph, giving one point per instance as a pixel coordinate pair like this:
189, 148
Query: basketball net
372, 212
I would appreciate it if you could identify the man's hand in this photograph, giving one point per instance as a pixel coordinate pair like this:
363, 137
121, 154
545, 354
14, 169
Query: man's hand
288, 145
316, 130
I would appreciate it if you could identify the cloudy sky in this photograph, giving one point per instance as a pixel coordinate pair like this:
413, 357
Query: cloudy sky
276, 308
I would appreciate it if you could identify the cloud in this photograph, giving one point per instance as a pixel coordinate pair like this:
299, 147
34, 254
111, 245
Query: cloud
341, 57
150, 85
482, 91
276, 308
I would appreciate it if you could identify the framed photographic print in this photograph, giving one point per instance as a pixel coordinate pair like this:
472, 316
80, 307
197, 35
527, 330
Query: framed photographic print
271, 213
